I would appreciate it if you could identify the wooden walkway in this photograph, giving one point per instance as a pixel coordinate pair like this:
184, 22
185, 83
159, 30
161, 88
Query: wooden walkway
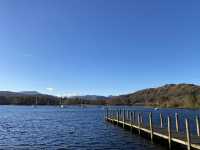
128, 119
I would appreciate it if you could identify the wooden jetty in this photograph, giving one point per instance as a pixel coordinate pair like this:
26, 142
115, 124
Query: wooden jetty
133, 121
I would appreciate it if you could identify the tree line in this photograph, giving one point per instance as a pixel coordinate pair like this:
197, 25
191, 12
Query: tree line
47, 100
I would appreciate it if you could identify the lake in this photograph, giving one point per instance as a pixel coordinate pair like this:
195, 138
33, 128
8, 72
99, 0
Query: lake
72, 127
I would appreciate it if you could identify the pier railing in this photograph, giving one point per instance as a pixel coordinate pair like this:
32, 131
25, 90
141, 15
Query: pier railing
134, 120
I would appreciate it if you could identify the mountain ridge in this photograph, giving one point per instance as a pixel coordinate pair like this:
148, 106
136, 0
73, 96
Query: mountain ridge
169, 95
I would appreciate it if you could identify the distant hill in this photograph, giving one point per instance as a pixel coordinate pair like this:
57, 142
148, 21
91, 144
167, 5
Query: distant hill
90, 97
27, 98
170, 95
30, 93
23, 93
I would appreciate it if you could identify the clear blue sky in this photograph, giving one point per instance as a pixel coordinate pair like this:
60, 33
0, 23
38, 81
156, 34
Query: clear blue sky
98, 46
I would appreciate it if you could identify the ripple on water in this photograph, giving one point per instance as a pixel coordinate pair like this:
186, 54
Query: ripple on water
69, 128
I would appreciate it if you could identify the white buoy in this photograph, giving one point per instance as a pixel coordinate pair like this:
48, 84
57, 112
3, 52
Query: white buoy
156, 108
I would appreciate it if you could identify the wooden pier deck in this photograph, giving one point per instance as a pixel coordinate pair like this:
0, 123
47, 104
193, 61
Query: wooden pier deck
127, 119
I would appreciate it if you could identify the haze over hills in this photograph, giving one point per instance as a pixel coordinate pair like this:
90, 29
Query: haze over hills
90, 97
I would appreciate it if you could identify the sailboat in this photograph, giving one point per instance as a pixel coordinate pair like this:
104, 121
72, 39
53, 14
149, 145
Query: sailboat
36, 102
82, 104
61, 105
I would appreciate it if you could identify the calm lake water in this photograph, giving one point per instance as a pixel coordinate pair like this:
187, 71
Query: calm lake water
45, 127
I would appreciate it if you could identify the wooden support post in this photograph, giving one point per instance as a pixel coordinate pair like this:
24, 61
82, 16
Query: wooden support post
127, 116
134, 117
119, 114
188, 133
131, 121
169, 131
113, 112
123, 118
138, 123
130, 117
197, 125
117, 117
141, 120
161, 120
109, 113
151, 125
105, 114
177, 122
112, 115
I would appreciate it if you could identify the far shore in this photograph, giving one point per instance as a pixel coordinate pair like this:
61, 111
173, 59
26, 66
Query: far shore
89, 106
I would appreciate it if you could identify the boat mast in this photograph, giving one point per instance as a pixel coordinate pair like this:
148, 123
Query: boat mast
36, 102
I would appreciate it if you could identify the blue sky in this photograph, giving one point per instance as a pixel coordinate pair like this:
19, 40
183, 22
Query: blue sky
105, 47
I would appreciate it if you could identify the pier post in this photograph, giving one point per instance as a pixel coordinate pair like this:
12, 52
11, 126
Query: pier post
127, 116
177, 122
119, 114
161, 120
116, 114
131, 120
123, 117
138, 123
151, 125
169, 131
106, 113
130, 117
134, 116
117, 117
187, 133
197, 125
141, 120
111, 115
